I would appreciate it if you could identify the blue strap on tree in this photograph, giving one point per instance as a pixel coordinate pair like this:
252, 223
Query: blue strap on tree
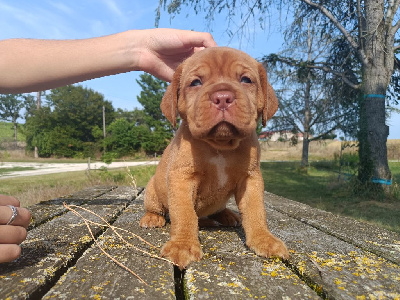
375, 96
381, 181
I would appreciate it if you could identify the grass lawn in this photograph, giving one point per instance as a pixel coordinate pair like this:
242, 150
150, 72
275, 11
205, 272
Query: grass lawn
321, 188
395, 168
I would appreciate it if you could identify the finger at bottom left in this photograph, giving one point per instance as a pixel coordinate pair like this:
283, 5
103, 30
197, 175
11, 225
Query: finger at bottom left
9, 252
10, 234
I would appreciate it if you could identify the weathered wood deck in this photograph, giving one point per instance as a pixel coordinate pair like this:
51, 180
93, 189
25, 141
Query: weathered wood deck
331, 256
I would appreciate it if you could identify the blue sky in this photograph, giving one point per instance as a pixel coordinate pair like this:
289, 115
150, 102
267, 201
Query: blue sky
52, 19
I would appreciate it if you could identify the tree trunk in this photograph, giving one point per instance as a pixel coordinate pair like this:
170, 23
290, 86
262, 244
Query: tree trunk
377, 71
38, 106
306, 126
304, 154
307, 118
373, 134
15, 135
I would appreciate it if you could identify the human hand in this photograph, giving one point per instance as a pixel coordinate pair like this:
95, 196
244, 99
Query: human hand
164, 49
13, 234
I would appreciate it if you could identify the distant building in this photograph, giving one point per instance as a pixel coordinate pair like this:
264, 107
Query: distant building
284, 135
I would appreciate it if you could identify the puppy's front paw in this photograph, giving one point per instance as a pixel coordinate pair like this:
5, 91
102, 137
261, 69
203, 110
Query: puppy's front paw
183, 252
150, 220
268, 245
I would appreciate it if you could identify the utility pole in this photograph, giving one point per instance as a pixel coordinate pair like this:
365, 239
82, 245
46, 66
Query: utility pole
104, 121
39, 100
104, 128
38, 105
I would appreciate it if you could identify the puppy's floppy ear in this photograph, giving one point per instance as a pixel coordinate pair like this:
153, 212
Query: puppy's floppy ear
267, 101
169, 102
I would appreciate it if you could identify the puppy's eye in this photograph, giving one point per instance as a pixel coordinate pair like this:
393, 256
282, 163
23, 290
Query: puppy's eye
245, 79
196, 82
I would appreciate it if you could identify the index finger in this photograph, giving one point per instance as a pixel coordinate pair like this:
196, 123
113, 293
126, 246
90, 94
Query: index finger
9, 200
209, 40
199, 39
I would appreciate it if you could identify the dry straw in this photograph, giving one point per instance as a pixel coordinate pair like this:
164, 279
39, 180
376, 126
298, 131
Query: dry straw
73, 208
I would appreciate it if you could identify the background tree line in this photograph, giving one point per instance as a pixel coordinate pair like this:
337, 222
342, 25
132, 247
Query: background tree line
69, 122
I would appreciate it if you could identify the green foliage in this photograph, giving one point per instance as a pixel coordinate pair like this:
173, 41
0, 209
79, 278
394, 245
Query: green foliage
125, 138
58, 142
351, 160
10, 107
108, 157
142, 174
68, 124
7, 132
150, 97
108, 176
81, 109
136, 116
146, 129
156, 142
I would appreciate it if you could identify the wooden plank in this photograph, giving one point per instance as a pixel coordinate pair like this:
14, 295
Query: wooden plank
46, 210
121, 194
377, 240
228, 270
60, 261
96, 276
333, 267
49, 250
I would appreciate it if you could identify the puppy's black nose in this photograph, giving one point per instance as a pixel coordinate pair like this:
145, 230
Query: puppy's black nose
222, 99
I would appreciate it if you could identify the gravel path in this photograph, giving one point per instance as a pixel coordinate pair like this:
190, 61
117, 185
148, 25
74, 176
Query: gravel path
50, 168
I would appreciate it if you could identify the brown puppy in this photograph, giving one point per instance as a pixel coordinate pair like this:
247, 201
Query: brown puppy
220, 94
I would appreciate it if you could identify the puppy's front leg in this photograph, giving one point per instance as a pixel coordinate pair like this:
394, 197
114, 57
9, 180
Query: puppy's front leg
250, 201
183, 246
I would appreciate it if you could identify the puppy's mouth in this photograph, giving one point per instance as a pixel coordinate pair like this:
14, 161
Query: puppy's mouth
223, 131
224, 136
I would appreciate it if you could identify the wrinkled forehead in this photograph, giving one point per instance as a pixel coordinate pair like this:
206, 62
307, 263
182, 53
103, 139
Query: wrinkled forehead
219, 60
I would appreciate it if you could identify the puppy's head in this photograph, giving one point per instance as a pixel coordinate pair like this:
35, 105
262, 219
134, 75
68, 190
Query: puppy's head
221, 93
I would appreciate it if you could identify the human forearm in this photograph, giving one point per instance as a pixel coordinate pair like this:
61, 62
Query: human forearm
28, 65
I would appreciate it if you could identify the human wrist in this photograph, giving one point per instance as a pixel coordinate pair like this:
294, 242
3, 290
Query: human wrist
134, 45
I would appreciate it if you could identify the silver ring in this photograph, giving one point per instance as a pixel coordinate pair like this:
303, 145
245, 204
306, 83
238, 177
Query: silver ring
14, 214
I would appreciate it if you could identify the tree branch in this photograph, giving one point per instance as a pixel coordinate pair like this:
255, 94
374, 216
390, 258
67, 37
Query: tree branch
339, 26
325, 68
391, 12
323, 134
339, 74
295, 115
396, 27
360, 25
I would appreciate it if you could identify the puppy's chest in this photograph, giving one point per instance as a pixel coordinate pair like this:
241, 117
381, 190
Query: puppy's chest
217, 167
219, 174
